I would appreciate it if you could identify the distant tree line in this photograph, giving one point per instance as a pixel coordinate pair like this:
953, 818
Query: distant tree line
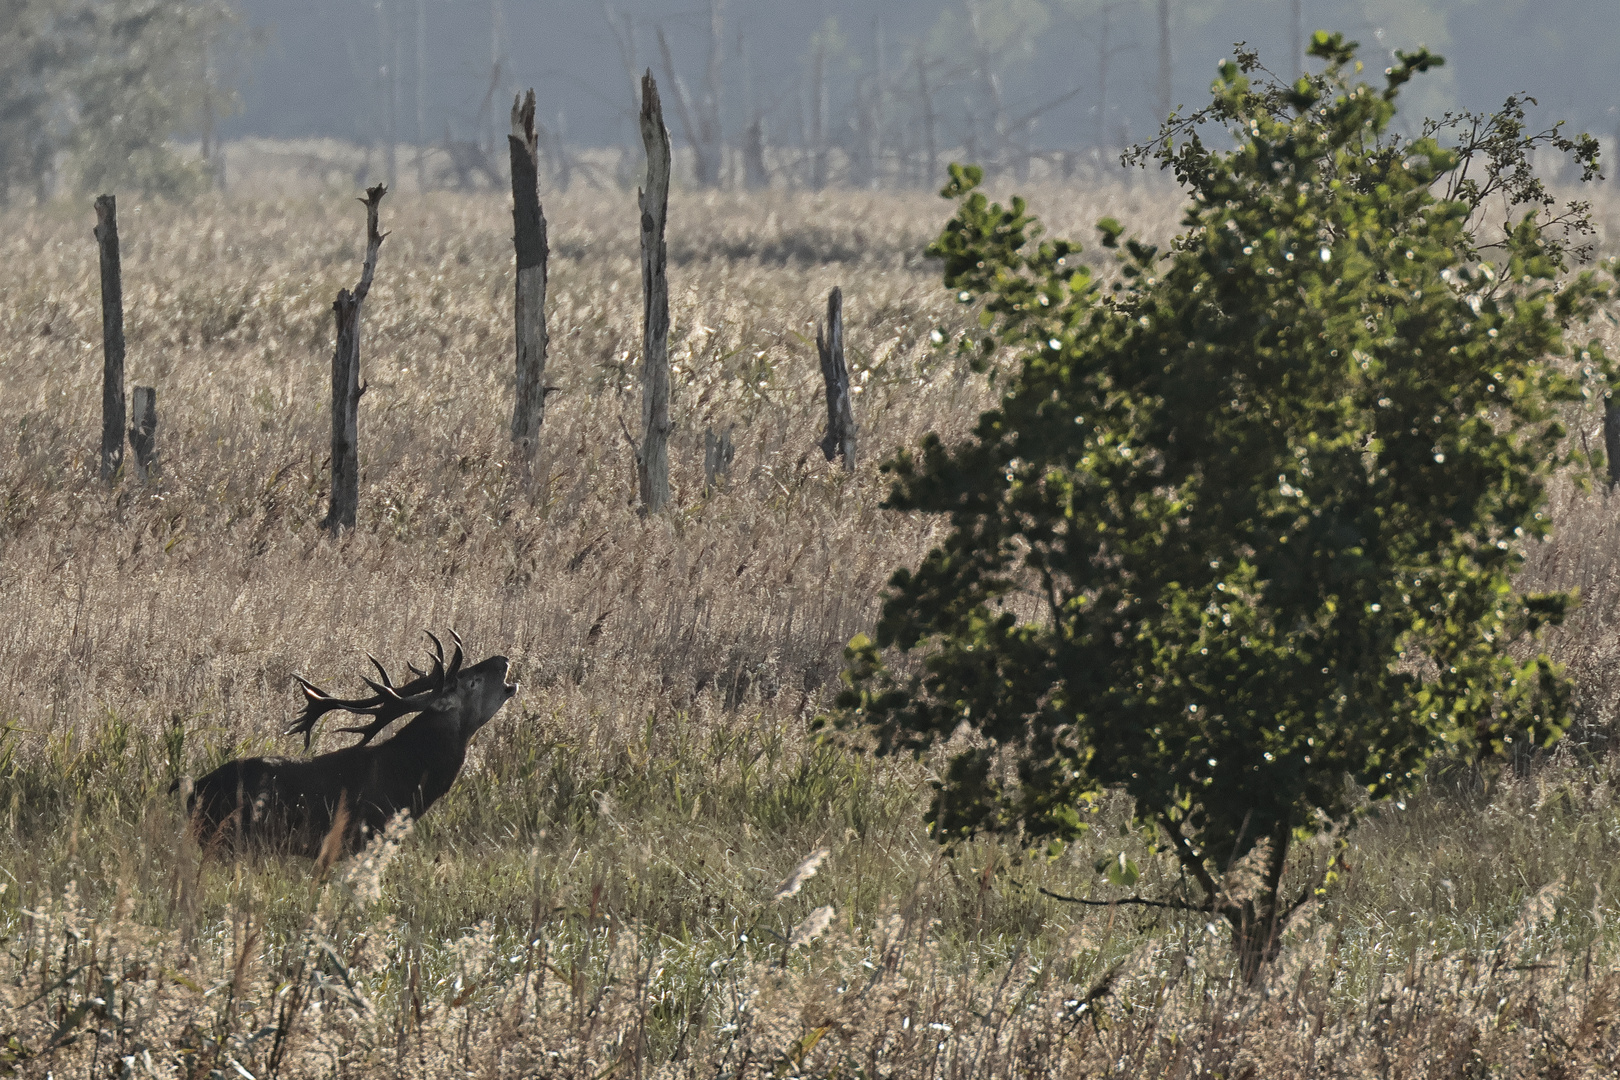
92, 93
845, 94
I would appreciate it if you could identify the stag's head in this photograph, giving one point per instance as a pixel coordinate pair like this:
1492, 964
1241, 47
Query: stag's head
475, 695
465, 697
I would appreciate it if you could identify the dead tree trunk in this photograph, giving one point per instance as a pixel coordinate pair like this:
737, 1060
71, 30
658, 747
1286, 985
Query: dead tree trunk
755, 175
529, 307
1165, 72
624, 35
863, 166
1611, 436
652, 456
701, 128
143, 432
930, 143
818, 114
1296, 26
840, 437
112, 339
421, 96
387, 86
346, 385
709, 117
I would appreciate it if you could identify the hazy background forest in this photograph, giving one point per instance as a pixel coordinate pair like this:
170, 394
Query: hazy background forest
831, 91
322, 67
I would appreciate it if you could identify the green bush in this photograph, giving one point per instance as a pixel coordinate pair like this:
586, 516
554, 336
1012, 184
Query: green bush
1240, 539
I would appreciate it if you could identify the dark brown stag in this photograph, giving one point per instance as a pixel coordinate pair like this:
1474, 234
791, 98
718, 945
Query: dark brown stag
292, 805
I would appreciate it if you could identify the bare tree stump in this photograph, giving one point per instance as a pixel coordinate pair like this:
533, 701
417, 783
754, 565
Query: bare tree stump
529, 307
346, 385
652, 456
718, 452
840, 436
112, 339
143, 431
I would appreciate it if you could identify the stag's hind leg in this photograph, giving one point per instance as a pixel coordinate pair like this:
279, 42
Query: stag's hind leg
232, 807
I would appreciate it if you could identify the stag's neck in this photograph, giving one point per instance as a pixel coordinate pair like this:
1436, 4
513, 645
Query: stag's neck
436, 741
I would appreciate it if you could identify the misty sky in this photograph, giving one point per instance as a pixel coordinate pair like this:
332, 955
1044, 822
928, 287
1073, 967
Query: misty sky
316, 66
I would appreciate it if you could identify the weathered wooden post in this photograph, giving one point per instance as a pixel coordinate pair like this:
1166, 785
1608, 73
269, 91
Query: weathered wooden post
143, 431
112, 339
529, 306
346, 386
652, 456
840, 437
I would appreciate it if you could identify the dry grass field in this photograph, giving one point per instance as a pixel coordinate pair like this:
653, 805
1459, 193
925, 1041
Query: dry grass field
609, 890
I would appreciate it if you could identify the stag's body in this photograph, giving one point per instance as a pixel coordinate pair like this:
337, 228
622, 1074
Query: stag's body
292, 805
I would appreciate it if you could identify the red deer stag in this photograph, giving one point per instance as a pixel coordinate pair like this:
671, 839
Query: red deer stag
287, 805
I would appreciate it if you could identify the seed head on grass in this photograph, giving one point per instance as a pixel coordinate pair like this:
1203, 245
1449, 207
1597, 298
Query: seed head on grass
800, 874
811, 927
364, 877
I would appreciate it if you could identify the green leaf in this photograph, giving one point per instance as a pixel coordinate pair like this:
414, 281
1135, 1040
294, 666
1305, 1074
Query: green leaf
1119, 870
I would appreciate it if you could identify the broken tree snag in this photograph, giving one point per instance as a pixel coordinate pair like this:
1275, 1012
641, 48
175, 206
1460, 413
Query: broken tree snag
112, 338
840, 437
346, 386
652, 456
529, 306
143, 431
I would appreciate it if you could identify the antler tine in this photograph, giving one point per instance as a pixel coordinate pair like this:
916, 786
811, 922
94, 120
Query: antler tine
371, 730
385, 691
389, 683
316, 705
387, 703
438, 646
455, 661
311, 691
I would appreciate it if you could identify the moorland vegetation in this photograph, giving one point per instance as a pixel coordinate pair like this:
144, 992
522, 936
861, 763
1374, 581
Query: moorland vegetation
652, 865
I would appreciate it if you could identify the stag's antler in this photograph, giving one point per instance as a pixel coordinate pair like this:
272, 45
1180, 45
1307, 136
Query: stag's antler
388, 703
